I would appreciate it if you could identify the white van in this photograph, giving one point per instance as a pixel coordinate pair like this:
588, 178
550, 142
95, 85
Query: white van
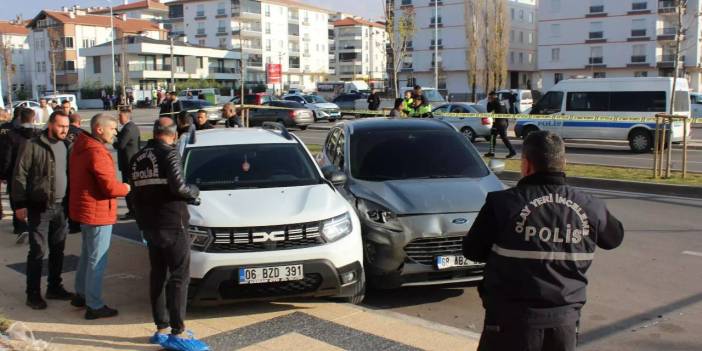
524, 99
62, 97
612, 97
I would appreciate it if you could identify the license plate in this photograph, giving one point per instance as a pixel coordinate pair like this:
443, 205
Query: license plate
451, 261
259, 275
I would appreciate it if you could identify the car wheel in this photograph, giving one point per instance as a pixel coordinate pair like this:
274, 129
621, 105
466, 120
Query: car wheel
640, 140
332, 120
468, 133
302, 127
528, 130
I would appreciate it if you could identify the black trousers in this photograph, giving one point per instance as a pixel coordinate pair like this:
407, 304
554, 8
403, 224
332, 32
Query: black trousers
169, 278
500, 130
129, 197
17, 225
498, 337
47, 231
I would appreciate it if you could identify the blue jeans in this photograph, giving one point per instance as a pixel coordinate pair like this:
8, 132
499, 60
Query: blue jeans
92, 264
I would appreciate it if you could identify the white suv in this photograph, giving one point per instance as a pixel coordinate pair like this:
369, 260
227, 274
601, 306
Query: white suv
270, 223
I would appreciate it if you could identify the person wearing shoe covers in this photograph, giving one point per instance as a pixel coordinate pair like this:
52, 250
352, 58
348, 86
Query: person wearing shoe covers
538, 240
93, 204
39, 186
499, 127
160, 200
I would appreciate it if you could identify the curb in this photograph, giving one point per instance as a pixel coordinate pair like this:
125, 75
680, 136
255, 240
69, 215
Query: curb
687, 191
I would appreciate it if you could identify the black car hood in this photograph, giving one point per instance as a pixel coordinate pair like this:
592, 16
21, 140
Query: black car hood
428, 196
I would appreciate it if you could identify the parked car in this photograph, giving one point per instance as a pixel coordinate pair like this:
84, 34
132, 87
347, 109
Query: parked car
289, 114
417, 185
524, 99
350, 101
213, 114
63, 97
271, 223
471, 127
25, 103
696, 105
254, 99
322, 108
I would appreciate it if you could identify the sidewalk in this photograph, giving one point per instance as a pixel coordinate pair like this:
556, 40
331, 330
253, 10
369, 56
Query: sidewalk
288, 325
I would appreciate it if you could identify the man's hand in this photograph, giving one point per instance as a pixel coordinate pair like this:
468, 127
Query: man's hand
129, 188
21, 214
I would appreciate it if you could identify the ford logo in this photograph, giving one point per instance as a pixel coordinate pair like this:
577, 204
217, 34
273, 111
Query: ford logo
460, 221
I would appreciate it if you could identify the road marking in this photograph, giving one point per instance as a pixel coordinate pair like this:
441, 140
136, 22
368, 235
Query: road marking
692, 253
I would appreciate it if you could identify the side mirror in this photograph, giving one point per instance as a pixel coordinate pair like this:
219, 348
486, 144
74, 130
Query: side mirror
497, 166
333, 175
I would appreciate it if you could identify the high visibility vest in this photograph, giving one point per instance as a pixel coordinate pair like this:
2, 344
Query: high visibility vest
407, 106
422, 111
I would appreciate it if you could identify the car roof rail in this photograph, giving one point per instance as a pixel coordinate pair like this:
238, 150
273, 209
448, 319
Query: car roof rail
270, 126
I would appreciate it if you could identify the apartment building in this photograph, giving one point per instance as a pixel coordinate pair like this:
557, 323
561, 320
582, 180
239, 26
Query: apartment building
57, 36
617, 38
150, 10
452, 44
13, 36
149, 66
292, 34
359, 51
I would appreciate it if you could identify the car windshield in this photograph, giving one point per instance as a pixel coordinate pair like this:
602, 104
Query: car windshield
285, 103
314, 99
433, 95
231, 167
379, 155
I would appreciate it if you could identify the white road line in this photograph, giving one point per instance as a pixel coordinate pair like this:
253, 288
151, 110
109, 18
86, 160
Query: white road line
692, 253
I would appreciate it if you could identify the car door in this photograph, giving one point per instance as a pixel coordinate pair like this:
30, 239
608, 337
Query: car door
461, 122
549, 104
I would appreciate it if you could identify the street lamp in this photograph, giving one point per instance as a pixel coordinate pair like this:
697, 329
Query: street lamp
112, 34
436, 44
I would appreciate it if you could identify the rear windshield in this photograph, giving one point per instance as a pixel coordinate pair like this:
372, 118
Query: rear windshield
230, 167
380, 155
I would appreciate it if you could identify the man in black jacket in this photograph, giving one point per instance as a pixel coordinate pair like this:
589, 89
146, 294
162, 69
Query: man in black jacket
538, 240
14, 140
171, 106
74, 128
499, 126
373, 100
201, 121
230, 116
160, 198
127, 145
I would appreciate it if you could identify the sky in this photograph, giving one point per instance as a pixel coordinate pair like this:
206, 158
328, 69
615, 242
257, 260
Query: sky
29, 8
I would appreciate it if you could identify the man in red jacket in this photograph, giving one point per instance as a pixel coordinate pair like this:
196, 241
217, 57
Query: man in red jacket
93, 203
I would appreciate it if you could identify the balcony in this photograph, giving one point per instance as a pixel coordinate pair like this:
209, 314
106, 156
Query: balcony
251, 30
200, 33
667, 34
669, 7
221, 13
253, 48
254, 63
247, 12
350, 48
406, 67
638, 61
595, 37
668, 61
639, 8
222, 31
229, 70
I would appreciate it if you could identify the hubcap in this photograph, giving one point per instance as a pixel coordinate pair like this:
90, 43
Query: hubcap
468, 133
640, 142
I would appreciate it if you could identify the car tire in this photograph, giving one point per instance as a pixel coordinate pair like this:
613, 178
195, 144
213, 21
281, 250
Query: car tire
528, 130
469, 133
640, 141
332, 120
302, 127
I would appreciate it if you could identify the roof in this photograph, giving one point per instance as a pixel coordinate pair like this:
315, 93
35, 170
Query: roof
383, 123
348, 22
130, 25
139, 5
239, 136
7, 27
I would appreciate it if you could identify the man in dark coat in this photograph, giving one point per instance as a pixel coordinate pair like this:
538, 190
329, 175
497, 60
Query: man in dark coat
127, 145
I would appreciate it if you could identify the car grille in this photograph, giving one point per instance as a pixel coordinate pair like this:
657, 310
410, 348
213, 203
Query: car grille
331, 111
252, 239
233, 290
424, 250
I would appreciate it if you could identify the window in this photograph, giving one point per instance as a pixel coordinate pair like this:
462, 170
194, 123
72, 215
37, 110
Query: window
599, 75
638, 54
88, 43
201, 42
557, 77
521, 15
531, 38
511, 36
268, 28
638, 5
200, 10
596, 55
68, 42
512, 14
221, 26
511, 57
434, 20
97, 67
638, 28
200, 62
222, 43
596, 6
521, 57
531, 17
531, 58
220, 9
637, 101
555, 54
267, 10
596, 31
201, 28
551, 102
521, 37
555, 31
43, 66
268, 45
69, 66
556, 6
640, 74
588, 101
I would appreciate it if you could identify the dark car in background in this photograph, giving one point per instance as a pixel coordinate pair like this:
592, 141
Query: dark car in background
192, 106
348, 101
417, 186
288, 113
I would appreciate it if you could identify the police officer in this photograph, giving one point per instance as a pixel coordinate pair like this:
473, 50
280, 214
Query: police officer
538, 240
420, 108
499, 127
160, 198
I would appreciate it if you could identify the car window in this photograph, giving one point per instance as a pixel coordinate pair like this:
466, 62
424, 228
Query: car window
526, 95
460, 109
478, 108
549, 103
416, 154
339, 151
444, 108
231, 167
330, 147
285, 103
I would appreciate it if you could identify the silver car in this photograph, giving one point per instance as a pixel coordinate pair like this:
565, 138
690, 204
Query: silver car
471, 127
417, 185
321, 108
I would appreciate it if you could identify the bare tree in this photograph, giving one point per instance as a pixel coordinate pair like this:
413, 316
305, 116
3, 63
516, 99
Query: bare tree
400, 30
487, 52
54, 46
500, 44
9, 68
474, 31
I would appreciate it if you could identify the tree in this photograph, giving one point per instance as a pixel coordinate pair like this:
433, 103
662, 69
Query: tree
8, 67
474, 32
400, 30
54, 46
500, 44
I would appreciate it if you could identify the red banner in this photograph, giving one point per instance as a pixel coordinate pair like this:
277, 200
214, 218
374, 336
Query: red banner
274, 73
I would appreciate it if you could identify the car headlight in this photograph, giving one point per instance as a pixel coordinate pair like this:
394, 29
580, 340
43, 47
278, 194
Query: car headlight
200, 238
378, 215
337, 227
322, 113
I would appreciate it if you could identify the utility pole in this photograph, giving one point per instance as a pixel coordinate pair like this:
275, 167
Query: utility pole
172, 67
243, 65
112, 33
436, 44
125, 68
